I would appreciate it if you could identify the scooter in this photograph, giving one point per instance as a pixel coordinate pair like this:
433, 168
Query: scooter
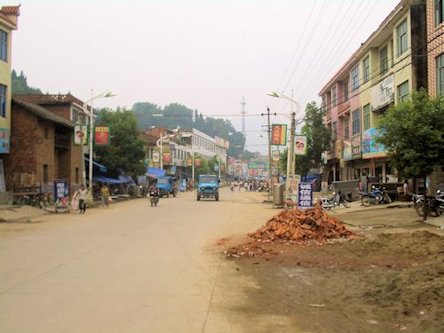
154, 198
335, 201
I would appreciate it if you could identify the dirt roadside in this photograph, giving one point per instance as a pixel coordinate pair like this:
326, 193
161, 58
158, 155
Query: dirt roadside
389, 280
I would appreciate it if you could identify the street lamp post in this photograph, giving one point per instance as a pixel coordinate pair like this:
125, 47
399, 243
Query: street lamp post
291, 160
91, 129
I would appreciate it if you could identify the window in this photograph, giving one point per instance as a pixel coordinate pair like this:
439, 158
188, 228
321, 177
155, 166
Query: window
401, 32
3, 101
355, 78
356, 122
383, 60
3, 45
440, 75
403, 92
334, 130
366, 65
45, 174
439, 10
333, 96
366, 117
346, 128
346, 91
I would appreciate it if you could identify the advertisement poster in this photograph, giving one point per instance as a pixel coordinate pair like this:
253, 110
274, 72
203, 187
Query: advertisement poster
61, 195
275, 155
371, 148
347, 151
101, 137
4, 141
300, 145
80, 135
156, 157
167, 158
279, 135
305, 195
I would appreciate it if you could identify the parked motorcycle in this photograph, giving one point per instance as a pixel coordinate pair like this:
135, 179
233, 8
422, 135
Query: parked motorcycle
154, 198
435, 204
375, 197
335, 201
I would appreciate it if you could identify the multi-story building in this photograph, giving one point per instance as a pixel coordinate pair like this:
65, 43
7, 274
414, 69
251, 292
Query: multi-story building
8, 23
382, 72
435, 65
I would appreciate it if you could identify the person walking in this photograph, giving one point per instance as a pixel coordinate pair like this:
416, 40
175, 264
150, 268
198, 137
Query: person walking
82, 194
104, 190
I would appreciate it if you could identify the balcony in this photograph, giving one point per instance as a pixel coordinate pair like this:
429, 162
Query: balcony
343, 108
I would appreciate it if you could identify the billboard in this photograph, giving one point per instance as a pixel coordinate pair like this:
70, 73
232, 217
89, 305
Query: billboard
300, 145
101, 136
80, 134
371, 148
279, 135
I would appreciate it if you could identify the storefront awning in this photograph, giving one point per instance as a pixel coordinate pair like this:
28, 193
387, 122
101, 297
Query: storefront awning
101, 167
155, 172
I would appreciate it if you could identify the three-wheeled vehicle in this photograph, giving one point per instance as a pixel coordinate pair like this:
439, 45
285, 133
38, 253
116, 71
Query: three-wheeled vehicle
167, 186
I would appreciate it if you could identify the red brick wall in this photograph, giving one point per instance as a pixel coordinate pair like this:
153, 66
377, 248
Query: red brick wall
435, 45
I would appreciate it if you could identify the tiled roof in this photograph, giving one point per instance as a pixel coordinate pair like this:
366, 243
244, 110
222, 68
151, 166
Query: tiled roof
42, 112
10, 10
49, 99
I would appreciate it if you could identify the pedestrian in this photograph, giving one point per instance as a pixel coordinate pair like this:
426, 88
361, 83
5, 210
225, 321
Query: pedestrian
405, 187
104, 190
81, 194
246, 186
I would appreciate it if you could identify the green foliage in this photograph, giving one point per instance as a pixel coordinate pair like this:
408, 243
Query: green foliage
20, 84
176, 115
413, 134
318, 139
126, 151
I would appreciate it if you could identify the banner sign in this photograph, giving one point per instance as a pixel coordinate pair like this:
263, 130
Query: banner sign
197, 162
300, 145
61, 194
383, 93
156, 157
371, 148
347, 151
80, 134
275, 155
4, 141
279, 135
356, 147
305, 195
167, 158
101, 137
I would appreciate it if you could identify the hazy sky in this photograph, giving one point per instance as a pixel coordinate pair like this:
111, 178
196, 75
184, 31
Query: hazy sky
206, 55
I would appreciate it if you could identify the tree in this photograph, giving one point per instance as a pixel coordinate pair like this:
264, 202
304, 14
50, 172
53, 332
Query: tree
126, 150
20, 84
413, 134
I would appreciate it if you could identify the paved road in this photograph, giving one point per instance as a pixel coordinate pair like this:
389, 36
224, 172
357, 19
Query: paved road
128, 268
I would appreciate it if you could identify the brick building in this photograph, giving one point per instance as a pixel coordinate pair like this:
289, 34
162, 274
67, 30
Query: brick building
42, 144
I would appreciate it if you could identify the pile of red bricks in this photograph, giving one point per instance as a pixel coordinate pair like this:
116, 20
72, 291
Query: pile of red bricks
300, 225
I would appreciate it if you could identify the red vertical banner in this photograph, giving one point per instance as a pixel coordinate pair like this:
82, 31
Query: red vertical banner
101, 136
167, 158
279, 135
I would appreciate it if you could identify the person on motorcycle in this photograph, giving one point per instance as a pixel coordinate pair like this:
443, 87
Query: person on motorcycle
153, 189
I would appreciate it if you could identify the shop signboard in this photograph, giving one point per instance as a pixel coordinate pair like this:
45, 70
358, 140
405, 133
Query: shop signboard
101, 136
61, 194
356, 147
305, 195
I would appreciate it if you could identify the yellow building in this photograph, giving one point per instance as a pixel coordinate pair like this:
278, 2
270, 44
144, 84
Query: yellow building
8, 23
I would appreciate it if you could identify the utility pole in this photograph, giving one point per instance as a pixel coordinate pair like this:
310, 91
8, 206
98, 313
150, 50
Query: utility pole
291, 160
269, 152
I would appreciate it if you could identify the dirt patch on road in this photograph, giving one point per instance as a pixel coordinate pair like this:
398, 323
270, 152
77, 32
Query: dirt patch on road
378, 283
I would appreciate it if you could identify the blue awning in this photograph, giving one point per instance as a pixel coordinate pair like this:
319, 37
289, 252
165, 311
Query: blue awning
107, 180
155, 172
101, 167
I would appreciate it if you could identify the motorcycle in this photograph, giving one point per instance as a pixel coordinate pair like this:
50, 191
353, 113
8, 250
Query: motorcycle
154, 198
435, 205
375, 197
335, 201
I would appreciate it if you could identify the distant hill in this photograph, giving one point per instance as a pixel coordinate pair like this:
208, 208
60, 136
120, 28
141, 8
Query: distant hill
20, 85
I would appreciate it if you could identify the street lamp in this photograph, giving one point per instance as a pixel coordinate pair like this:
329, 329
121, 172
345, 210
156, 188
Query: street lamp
91, 129
291, 160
